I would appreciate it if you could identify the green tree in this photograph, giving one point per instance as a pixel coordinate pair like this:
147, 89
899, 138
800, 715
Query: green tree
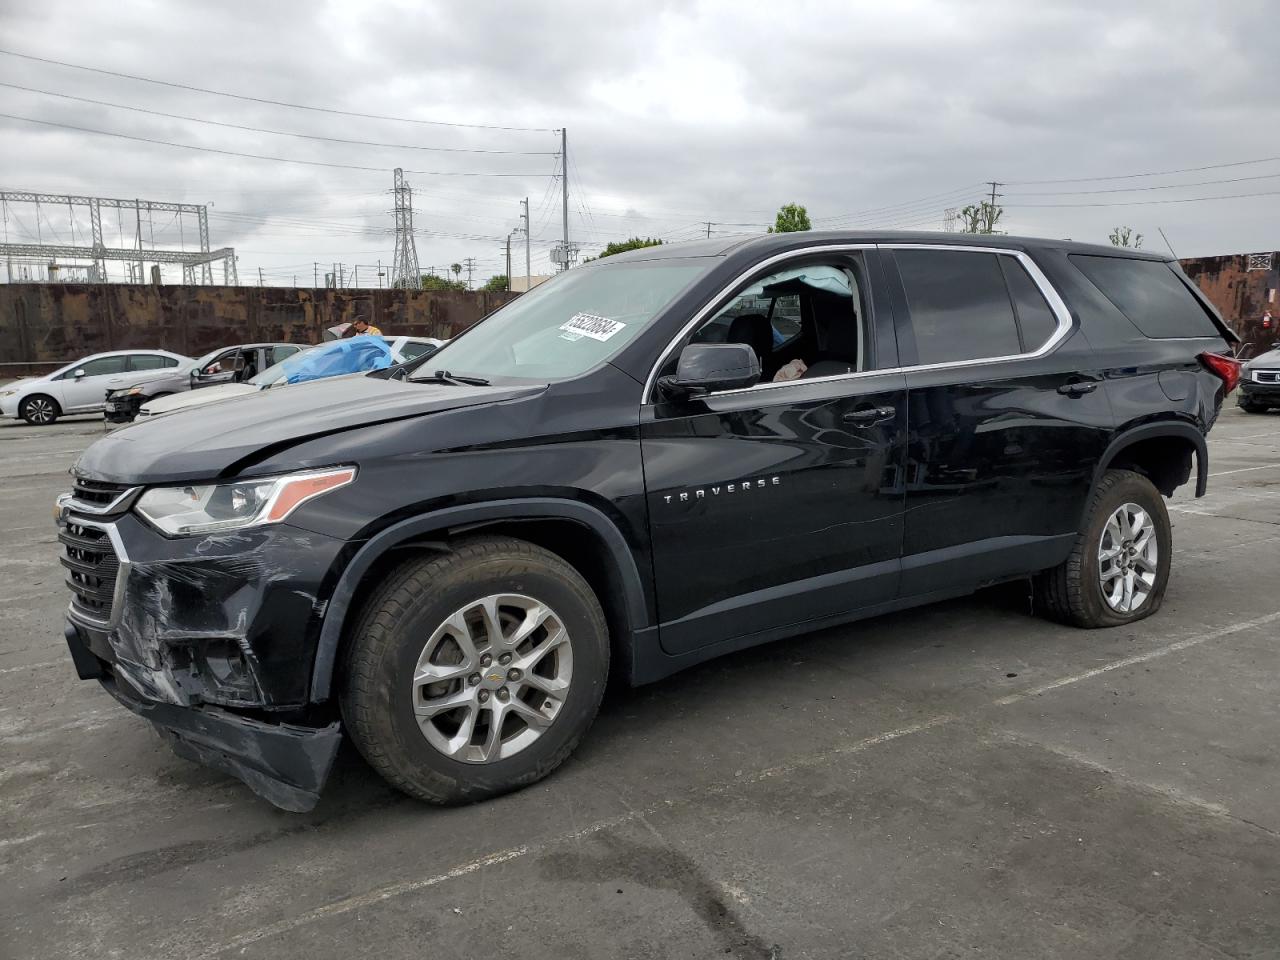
431, 282
980, 218
792, 218
635, 243
1125, 237
456, 268
496, 284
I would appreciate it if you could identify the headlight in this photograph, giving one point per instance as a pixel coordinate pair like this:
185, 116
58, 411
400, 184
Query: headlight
207, 508
7, 393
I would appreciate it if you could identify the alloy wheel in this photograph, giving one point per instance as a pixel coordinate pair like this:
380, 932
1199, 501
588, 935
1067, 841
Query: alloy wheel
492, 678
40, 410
1128, 557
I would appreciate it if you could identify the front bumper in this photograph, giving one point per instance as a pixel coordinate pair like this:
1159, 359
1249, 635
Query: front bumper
285, 764
212, 638
1253, 390
123, 409
9, 407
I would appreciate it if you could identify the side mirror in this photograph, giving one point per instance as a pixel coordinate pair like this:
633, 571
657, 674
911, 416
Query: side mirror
704, 367
195, 374
79, 373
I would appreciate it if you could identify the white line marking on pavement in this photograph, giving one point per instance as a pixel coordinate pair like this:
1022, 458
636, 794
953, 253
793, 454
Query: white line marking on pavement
1274, 435
1227, 473
33, 596
338, 907
1143, 657
32, 666
346, 905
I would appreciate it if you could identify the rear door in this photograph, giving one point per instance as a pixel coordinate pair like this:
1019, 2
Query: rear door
781, 504
1007, 418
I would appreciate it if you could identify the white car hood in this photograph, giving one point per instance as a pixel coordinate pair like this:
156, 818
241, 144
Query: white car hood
196, 398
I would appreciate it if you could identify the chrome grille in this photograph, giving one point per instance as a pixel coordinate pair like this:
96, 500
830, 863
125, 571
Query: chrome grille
92, 569
1266, 376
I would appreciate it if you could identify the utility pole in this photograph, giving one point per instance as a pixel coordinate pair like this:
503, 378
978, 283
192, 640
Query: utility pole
357, 280
259, 276
470, 264
315, 274
564, 192
527, 272
708, 229
991, 215
379, 274
509, 259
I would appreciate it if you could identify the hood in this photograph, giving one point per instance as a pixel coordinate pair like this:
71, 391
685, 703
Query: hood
198, 398
1269, 359
203, 446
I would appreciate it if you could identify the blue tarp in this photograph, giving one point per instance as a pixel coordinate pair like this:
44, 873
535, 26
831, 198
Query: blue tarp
356, 355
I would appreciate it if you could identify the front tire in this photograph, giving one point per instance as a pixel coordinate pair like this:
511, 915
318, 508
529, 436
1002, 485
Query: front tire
40, 410
1249, 406
1118, 568
476, 672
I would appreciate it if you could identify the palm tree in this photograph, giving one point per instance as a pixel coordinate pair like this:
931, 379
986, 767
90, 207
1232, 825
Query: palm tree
456, 268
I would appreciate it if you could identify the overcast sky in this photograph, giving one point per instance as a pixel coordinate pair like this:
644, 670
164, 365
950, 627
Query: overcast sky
869, 114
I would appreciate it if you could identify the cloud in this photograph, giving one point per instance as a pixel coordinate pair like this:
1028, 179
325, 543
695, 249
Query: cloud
678, 114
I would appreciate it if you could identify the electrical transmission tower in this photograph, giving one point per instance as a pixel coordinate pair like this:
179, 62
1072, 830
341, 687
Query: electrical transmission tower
405, 272
949, 220
95, 254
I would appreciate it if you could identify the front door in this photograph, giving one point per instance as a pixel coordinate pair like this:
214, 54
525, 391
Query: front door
781, 504
88, 392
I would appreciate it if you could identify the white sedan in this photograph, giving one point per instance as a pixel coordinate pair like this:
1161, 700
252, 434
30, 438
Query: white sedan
81, 387
403, 349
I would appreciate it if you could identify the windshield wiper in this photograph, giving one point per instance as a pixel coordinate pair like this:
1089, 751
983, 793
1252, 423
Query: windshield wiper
444, 376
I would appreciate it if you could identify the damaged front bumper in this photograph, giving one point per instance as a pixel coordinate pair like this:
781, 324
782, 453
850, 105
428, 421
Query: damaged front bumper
212, 639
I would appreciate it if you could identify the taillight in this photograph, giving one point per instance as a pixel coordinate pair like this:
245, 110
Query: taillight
1224, 368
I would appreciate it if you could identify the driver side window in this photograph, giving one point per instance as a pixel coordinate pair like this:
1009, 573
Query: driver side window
802, 322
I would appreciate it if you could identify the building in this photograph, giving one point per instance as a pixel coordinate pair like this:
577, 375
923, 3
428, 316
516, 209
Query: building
518, 285
1243, 286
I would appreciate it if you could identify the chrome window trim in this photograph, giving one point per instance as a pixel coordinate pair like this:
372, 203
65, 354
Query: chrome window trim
1047, 290
99, 510
122, 576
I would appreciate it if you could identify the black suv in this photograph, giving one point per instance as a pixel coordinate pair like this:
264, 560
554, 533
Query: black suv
651, 460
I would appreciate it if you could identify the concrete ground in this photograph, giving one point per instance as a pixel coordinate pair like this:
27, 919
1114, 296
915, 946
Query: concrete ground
961, 780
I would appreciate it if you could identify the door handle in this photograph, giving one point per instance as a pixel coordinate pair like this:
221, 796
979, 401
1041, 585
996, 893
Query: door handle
1078, 388
865, 416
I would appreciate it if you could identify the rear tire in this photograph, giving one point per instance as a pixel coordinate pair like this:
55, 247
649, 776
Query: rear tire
1118, 568
451, 643
40, 410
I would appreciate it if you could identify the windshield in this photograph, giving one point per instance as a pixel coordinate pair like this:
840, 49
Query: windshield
567, 325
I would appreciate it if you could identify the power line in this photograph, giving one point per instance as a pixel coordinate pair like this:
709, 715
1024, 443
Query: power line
259, 156
1139, 203
275, 103
278, 133
1163, 186
1134, 176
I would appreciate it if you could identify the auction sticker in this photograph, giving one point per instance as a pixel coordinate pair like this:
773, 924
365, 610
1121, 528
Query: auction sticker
589, 325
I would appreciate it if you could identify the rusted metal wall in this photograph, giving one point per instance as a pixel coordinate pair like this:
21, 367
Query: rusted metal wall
48, 323
1241, 295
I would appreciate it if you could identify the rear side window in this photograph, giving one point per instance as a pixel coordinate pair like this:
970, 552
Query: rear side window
1150, 294
278, 352
1036, 321
148, 361
960, 308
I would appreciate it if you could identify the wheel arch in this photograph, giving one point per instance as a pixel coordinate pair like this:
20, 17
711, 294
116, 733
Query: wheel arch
1162, 452
583, 535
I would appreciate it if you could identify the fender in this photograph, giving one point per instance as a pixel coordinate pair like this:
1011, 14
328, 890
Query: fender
1170, 428
538, 508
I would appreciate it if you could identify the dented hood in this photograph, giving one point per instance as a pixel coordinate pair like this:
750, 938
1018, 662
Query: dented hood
203, 443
